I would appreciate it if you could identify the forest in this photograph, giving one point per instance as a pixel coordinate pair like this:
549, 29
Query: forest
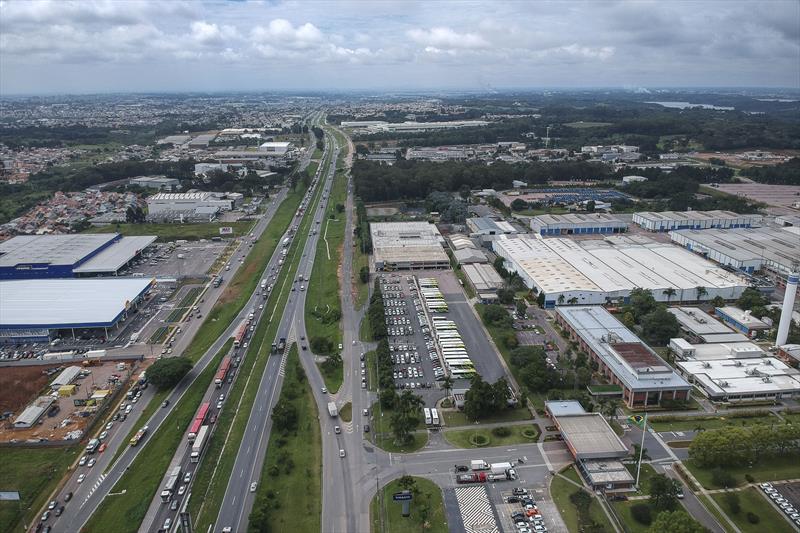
787, 173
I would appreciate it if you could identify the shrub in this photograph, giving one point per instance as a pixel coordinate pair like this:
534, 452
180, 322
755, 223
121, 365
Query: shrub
732, 501
501, 431
722, 478
641, 513
753, 518
749, 478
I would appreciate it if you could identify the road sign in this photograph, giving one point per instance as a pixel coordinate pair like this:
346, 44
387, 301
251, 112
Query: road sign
402, 496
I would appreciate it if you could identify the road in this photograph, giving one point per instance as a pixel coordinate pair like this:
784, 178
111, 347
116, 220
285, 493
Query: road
238, 500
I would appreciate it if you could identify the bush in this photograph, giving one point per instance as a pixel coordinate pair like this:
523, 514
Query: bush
749, 478
166, 373
641, 513
501, 431
722, 478
732, 501
753, 518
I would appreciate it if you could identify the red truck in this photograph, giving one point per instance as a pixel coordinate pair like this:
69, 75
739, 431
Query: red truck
475, 477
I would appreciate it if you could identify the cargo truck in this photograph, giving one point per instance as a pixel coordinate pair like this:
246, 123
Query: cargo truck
332, 410
198, 444
476, 477
479, 464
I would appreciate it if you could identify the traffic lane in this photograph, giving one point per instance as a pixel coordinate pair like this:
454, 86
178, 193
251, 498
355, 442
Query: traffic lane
693, 505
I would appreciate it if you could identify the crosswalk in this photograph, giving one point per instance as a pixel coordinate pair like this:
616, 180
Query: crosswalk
476, 511
95, 486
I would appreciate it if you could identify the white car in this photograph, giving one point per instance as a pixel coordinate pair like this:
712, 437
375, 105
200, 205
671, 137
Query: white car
81, 478
91, 462
181, 490
253, 486
83, 460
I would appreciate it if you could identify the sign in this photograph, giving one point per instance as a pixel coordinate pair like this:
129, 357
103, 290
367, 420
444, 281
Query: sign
226, 230
402, 496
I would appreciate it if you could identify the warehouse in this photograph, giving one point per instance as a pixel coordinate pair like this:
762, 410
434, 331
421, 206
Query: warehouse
699, 324
156, 182
33, 412
594, 445
407, 245
65, 256
677, 220
166, 206
607, 270
66, 377
743, 380
741, 321
773, 249
484, 226
66, 305
484, 279
577, 224
715, 351
275, 148
622, 357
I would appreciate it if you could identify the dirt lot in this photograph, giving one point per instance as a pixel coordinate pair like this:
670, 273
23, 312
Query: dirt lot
20, 385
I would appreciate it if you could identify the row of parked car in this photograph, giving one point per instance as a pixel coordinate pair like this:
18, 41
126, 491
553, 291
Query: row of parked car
528, 519
779, 500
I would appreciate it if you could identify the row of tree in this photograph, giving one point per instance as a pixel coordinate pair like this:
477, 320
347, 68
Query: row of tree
744, 445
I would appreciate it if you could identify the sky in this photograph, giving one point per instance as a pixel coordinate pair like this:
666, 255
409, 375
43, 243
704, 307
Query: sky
88, 46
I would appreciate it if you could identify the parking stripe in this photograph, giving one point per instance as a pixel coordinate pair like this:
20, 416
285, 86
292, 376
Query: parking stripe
476, 510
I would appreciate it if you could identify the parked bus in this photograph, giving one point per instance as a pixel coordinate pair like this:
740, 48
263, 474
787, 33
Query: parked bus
462, 373
173, 480
199, 420
427, 416
435, 417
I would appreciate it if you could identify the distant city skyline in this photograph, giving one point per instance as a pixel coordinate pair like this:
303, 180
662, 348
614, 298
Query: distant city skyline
58, 47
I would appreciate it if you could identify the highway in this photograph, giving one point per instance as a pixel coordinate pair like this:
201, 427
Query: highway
100, 479
238, 499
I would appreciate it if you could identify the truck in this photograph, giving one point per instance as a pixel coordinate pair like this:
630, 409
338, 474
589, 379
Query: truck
92, 446
281, 344
506, 476
222, 373
500, 468
263, 284
479, 464
137, 438
332, 410
173, 480
241, 330
198, 444
286, 241
502, 472
475, 477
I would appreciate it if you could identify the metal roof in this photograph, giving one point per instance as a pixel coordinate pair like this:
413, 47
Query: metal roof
114, 257
67, 303
589, 436
51, 249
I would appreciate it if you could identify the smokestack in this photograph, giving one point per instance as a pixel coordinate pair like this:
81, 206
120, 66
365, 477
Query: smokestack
788, 307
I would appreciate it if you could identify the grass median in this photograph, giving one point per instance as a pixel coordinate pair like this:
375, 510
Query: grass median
290, 494
560, 492
426, 511
125, 512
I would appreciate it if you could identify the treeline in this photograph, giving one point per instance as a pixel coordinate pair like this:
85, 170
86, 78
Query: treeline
61, 136
787, 173
744, 445
417, 179
397, 116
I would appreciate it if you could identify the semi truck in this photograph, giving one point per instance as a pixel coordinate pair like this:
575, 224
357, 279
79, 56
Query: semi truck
198, 444
92, 446
332, 410
222, 373
475, 477
241, 331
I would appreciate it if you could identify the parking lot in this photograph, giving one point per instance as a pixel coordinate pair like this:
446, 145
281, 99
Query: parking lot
785, 496
178, 259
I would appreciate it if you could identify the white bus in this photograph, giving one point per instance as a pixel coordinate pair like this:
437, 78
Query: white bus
446, 327
453, 346
435, 416
438, 318
427, 416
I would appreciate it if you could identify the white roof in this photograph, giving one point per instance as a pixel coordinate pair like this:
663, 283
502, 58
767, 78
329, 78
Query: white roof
743, 376
66, 376
51, 249
697, 321
114, 257
64, 303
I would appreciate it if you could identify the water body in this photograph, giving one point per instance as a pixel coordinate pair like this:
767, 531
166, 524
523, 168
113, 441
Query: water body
686, 105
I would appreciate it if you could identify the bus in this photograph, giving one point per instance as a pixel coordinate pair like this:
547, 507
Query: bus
452, 345
173, 480
446, 327
222, 373
435, 417
462, 373
427, 416
199, 420
457, 362
439, 318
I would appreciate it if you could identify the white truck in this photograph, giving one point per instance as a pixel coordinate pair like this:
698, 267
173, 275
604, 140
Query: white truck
502, 471
479, 464
332, 410
198, 444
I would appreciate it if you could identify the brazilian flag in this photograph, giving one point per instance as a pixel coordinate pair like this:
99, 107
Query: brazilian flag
637, 420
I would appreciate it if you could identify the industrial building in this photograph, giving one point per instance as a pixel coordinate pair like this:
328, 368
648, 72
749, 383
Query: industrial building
407, 245
742, 379
465, 251
484, 226
66, 256
33, 412
484, 279
198, 205
741, 321
380, 126
623, 358
607, 270
577, 224
44, 308
440, 153
156, 182
594, 445
701, 326
751, 250
275, 148
715, 350
677, 220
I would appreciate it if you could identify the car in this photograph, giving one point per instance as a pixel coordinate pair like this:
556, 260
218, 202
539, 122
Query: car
766, 485
174, 505
518, 515
366, 428
83, 460
222, 397
462, 468
253, 486
167, 524
187, 478
324, 390
60, 511
227, 529
102, 448
109, 426
67, 496
103, 435
45, 516
52, 505
91, 463
512, 499
181, 490
365, 412
165, 403
679, 494
342, 453
219, 405
337, 429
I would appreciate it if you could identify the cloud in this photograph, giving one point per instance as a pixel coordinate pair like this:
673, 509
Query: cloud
445, 39
280, 33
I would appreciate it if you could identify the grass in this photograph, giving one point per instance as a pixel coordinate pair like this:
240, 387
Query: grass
692, 423
34, 473
346, 412
458, 418
333, 375
463, 438
360, 260
786, 467
147, 412
381, 434
185, 303
751, 501
159, 335
290, 494
211, 479
560, 490
172, 232
645, 475
142, 479
706, 501
390, 516
372, 371
462, 277
364, 330
623, 511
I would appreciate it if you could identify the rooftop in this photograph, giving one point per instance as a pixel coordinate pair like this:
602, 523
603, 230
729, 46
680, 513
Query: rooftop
115, 257
742, 317
51, 249
589, 436
564, 407
697, 321
685, 216
578, 218
763, 375
395, 242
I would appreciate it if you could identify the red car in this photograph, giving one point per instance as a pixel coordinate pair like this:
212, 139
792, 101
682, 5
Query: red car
102, 448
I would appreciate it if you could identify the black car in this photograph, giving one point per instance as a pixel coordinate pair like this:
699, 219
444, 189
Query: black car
462, 468
512, 499
68, 497
59, 511
518, 516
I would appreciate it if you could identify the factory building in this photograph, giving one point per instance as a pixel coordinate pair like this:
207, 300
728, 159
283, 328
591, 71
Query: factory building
773, 249
275, 148
66, 256
577, 224
484, 279
623, 358
168, 207
742, 379
407, 245
484, 226
156, 182
678, 220
741, 321
607, 270
699, 325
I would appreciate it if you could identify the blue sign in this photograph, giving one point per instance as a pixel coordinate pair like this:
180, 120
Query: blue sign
401, 496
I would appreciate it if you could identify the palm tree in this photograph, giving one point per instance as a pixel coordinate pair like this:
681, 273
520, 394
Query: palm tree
572, 301
447, 385
561, 299
669, 293
701, 291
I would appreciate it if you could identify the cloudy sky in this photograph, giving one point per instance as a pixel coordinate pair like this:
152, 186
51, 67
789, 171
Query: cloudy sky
84, 46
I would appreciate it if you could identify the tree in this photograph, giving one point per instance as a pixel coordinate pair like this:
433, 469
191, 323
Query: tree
561, 299
284, 416
405, 416
363, 274
407, 482
522, 308
675, 522
659, 326
505, 296
608, 408
701, 292
645, 455
572, 301
447, 385
719, 301
641, 513
669, 292
166, 373
496, 315
663, 493
590, 206
519, 205
751, 298
732, 501
641, 303
628, 320
499, 265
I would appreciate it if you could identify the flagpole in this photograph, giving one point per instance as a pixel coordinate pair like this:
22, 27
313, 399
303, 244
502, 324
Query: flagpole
641, 451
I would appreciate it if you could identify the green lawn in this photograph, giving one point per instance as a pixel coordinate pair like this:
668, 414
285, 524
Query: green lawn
752, 501
333, 376
185, 302
289, 496
159, 335
172, 232
787, 467
387, 518
520, 434
645, 475
560, 490
623, 510
346, 412
458, 418
360, 260
692, 423
141, 481
381, 434
34, 472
